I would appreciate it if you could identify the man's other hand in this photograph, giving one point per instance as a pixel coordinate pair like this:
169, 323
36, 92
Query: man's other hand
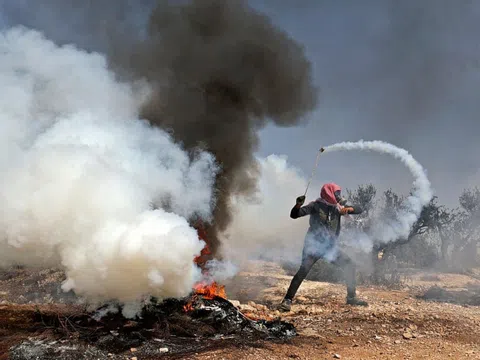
346, 210
300, 200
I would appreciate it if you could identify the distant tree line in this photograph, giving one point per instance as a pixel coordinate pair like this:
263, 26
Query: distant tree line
442, 237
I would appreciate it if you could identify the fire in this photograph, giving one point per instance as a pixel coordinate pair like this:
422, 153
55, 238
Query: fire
204, 256
210, 291
188, 307
205, 289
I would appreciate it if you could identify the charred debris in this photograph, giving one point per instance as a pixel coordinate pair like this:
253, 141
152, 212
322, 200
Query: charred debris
171, 328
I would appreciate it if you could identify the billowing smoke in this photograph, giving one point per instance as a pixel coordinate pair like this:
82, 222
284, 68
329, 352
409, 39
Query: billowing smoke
80, 173
263, 223
421, 193
221, 71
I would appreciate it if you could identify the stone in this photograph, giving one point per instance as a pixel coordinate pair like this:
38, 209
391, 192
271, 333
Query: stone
235, 303
245, 307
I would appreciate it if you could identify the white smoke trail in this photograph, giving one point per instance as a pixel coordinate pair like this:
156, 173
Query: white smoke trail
420, 196
80, 173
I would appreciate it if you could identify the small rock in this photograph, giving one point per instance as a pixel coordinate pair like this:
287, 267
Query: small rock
336, 356
407, 335
163, 350
133, 349
133, 358
261, 307
235, 303
397, 341
245, 307
310, 332
378, 337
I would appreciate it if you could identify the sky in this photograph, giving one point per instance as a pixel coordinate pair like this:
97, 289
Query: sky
404, 72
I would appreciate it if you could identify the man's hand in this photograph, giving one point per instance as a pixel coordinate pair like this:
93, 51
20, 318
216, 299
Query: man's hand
346, 210
300, 200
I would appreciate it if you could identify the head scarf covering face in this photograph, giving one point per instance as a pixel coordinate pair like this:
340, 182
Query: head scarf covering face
327, 194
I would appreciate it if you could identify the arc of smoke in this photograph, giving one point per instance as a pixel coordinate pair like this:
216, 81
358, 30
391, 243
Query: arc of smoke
420, 196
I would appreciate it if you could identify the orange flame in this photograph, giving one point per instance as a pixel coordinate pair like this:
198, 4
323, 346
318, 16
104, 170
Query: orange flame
210, 291
204, 256
204, 289
188, 307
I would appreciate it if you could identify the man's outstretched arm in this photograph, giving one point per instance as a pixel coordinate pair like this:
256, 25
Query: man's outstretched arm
351, 209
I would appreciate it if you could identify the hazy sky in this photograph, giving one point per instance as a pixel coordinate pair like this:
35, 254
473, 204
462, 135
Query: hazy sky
406, 72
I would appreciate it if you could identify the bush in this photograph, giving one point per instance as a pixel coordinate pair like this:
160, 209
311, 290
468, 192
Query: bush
385, 273
418, 253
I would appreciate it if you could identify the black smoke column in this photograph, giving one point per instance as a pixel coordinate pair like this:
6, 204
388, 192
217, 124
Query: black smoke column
221, 72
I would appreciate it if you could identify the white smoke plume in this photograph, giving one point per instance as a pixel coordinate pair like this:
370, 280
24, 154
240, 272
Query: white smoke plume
81, 173
421, 194
261, 226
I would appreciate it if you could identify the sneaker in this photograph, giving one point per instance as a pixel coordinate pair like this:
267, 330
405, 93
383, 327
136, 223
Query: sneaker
285, 305
356, 301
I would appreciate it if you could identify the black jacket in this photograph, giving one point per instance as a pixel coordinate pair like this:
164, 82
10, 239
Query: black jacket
324, 218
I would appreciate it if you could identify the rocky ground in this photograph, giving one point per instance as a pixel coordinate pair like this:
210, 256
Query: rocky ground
398, 324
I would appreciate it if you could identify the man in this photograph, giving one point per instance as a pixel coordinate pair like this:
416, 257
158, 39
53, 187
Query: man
320, 241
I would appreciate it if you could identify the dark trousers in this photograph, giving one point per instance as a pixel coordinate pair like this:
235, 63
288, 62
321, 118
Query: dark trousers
309, 260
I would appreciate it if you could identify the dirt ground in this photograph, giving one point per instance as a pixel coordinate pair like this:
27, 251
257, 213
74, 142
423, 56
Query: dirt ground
397, 324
